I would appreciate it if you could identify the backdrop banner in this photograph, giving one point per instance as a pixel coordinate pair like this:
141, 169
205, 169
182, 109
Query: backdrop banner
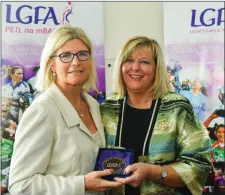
194, 52
25, 28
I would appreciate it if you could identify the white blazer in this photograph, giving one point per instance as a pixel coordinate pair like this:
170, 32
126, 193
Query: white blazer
53, 148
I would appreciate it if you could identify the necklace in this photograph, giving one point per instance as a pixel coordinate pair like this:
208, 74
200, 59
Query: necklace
81, 114
149, 127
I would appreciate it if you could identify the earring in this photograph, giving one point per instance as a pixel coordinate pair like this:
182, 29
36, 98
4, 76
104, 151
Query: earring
54, 74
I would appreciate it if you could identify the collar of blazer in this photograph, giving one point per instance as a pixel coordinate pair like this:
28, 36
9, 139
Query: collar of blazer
69, 114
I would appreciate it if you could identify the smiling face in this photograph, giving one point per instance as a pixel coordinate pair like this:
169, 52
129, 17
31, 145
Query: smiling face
5, 107
138, 71
220, 134
73, 73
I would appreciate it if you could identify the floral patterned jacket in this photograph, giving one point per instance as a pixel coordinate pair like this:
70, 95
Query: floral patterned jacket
178, 139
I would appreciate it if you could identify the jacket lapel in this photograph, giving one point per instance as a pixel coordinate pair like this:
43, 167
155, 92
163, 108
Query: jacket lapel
70, 114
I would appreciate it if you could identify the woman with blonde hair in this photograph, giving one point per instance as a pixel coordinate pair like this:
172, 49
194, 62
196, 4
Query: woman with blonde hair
171, 146
59, 135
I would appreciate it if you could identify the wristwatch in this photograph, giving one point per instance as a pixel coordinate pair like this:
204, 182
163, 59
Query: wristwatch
164, 173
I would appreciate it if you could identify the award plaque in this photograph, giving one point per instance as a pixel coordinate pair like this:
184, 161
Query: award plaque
114, 158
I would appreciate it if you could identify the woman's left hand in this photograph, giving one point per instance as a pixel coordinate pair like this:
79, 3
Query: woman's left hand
139, 173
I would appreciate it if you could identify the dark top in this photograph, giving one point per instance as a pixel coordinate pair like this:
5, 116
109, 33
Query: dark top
135, 127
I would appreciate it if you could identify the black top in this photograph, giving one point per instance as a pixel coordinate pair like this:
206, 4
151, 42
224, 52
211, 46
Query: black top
135, 127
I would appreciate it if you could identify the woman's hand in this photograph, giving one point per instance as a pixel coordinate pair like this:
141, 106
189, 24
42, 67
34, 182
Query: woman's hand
94, 182
143, 171
139, 173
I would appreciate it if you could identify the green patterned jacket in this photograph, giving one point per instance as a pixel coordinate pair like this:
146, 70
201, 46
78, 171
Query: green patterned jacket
178, 139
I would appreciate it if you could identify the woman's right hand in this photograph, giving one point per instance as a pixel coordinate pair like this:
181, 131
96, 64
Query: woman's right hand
94, 181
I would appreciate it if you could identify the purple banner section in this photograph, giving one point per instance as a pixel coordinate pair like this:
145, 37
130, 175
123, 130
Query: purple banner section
197, 63
28, 57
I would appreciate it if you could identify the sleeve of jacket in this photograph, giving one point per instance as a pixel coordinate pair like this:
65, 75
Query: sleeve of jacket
34, 140
193, 161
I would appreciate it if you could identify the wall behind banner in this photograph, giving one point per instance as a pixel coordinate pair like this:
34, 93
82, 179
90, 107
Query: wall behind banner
123, 20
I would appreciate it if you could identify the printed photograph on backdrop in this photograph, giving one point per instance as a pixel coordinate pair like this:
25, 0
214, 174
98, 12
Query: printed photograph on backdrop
194, 52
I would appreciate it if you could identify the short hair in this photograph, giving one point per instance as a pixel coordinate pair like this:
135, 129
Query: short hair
219, 126
7, 123
14, 68
5, 134
55, 41
161, 83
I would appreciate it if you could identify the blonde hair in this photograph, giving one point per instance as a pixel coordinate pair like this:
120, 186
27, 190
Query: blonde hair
12, 70
56, 40
161, 83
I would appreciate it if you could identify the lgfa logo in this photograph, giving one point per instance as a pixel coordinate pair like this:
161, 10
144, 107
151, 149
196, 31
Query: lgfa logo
66, 13
216, 20
36, 17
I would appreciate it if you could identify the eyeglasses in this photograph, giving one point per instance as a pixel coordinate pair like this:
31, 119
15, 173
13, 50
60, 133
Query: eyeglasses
68, 57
